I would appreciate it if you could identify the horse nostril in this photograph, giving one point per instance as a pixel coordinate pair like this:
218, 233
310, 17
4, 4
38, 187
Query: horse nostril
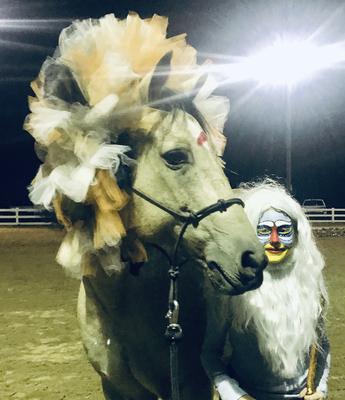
251, 260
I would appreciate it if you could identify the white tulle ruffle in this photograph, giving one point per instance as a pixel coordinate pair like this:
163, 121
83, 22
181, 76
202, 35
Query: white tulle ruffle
74, 180
94, 88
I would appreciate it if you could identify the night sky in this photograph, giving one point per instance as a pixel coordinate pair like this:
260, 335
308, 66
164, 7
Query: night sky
256, 129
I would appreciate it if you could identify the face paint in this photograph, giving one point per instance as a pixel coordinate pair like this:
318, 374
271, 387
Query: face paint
276, 232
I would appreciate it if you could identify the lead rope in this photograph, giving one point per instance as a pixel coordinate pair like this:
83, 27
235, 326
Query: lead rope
173, 333
173, 330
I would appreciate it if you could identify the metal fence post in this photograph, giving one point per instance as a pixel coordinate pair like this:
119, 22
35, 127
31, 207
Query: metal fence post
333, 215
17, 216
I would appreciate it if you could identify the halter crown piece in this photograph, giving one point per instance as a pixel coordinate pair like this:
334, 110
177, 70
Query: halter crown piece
92, 89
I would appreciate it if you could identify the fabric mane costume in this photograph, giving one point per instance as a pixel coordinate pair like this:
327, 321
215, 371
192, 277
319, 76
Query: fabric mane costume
95, 88
263, 340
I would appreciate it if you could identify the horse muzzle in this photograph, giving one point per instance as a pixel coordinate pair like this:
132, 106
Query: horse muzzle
248, 276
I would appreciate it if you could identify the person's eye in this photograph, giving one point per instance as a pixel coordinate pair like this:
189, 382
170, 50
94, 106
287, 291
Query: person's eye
285, 229
263, 230
175, 159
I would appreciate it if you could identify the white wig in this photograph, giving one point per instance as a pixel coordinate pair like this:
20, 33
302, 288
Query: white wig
286, 310
259, 197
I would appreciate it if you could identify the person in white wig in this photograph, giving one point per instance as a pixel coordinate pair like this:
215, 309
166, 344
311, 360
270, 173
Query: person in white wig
270, 343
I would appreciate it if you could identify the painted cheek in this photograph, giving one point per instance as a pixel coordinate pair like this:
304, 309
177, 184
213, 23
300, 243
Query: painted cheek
263, 239
287, 241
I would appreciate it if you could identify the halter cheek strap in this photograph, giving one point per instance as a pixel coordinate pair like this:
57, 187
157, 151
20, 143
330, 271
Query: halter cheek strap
193, 218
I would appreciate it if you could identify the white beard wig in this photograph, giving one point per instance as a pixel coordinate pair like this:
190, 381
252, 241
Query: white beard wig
285, 310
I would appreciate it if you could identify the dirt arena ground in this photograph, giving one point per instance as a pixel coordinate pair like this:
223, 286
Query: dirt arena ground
41, 356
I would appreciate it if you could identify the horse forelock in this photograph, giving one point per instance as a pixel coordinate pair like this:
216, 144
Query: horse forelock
171, 102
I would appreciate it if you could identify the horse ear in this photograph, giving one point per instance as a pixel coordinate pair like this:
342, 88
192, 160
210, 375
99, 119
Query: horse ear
59, 83
159, 78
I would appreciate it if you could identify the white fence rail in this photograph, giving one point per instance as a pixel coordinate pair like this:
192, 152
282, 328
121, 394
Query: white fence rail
34, 216
326, 215
24, 216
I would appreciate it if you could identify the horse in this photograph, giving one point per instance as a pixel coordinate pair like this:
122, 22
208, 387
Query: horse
176, 171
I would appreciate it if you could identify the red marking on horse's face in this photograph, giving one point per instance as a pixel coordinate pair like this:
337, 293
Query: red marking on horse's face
202, 138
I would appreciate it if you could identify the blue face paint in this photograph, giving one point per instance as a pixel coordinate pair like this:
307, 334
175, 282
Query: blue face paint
275, 226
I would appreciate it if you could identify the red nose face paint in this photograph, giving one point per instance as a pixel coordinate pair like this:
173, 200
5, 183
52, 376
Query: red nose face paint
274, 238
202, 138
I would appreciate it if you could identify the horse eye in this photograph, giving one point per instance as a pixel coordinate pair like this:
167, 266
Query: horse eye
175, 159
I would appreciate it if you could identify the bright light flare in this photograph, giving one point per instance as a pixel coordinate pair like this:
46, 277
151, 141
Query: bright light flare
24, 24
286, 63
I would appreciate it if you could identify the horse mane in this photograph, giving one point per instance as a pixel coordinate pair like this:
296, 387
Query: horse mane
94, 88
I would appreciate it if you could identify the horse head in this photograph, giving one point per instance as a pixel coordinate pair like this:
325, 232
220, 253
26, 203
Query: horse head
177, 165
85, 117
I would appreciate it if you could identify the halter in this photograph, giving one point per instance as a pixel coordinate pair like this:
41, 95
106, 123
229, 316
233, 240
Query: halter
187, 217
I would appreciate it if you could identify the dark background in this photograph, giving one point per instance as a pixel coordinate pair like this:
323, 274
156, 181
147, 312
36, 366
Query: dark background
256, 129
